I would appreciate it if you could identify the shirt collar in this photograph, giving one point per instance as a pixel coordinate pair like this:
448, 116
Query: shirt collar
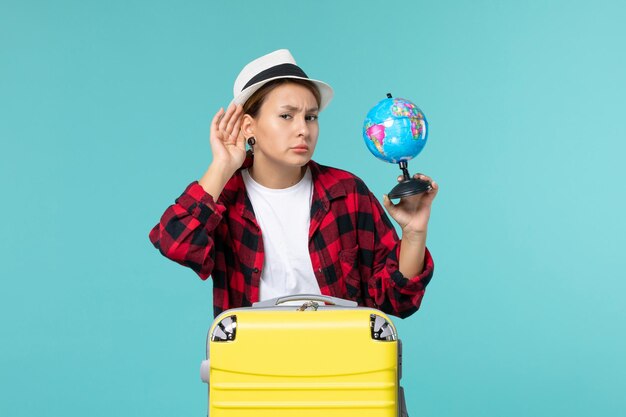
326, 188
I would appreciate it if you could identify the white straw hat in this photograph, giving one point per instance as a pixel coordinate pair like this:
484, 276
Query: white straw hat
275, 65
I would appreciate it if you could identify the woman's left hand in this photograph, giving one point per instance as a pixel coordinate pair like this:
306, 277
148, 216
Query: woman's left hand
412, 212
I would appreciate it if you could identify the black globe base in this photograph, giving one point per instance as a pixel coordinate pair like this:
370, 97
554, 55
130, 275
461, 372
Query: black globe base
408, 186
411, 187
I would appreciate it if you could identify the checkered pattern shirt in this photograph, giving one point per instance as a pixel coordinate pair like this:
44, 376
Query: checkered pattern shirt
354, 247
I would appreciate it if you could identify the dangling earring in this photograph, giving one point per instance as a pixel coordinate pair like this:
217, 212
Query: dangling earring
251, 143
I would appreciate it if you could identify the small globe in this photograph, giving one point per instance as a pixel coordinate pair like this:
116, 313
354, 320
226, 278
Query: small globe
395, 130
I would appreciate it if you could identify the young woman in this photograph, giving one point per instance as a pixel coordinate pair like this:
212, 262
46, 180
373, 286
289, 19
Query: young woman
272, 222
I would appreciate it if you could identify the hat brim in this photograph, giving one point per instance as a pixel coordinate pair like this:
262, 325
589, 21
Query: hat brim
326, 91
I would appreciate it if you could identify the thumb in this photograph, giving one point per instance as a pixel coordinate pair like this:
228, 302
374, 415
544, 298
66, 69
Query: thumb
388, 204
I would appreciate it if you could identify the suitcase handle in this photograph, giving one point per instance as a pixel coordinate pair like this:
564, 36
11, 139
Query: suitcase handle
306, 297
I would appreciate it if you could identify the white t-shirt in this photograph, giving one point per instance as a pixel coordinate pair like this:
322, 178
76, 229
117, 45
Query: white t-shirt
284, 218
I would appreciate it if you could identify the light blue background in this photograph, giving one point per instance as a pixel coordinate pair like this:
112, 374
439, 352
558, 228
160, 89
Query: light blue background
104, 119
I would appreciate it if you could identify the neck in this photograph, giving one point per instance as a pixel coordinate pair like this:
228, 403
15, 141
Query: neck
275, 176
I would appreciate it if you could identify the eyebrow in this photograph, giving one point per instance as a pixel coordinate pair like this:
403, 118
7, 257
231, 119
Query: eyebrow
294, 108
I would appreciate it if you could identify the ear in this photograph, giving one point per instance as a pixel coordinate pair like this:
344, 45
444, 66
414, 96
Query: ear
248, 125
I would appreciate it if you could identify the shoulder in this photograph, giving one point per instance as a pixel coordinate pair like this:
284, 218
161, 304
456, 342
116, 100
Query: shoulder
335, 178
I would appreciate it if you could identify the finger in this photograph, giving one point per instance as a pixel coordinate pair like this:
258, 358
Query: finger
233, 121
400, 178
227, 116
223, 111
387, 203
216, 118
236, 132
422, 177
214, 134
237, 127
429, 196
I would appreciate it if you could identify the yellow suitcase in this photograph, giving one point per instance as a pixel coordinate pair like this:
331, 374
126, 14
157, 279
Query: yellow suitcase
277, 359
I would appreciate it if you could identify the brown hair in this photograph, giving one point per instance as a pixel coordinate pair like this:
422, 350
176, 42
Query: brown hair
252, 106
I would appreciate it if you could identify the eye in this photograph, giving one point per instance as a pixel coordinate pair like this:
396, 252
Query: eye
311, 118
286, 116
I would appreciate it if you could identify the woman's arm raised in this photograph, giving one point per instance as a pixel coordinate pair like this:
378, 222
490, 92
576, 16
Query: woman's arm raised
228, 148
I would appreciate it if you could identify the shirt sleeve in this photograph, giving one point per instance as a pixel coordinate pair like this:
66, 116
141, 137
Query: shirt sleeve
390, 290
185, 233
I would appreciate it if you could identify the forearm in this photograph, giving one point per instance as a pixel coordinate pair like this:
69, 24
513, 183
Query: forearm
412, 252
399, 286
215, 178
186, 230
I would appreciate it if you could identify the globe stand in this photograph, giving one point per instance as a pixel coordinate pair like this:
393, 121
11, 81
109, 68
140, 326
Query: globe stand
408, 186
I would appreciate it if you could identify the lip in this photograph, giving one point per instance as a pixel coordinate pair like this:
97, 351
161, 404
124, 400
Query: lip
300, 148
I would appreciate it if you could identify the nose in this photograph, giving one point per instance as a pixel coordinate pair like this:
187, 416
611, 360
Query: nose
303, 127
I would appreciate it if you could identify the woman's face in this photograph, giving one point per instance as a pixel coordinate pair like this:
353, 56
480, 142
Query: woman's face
286, 126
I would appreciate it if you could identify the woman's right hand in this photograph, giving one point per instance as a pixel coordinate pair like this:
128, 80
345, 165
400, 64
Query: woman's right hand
227, 142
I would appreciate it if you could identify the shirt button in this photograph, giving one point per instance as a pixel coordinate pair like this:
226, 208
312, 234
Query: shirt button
255, 270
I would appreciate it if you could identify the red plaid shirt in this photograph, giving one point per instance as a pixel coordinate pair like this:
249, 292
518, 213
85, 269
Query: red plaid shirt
353, 246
